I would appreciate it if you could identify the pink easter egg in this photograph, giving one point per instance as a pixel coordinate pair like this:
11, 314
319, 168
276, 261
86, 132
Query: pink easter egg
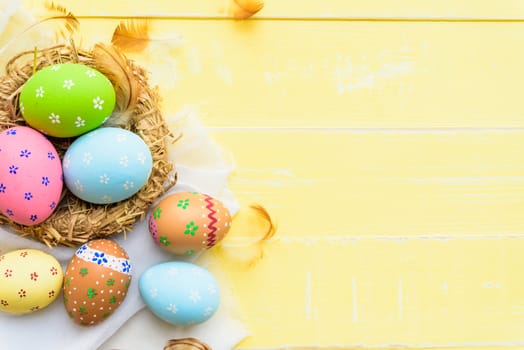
31, 177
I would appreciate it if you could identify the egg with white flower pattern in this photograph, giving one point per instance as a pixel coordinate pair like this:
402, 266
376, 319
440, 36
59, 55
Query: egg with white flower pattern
180, 293
107, 165
65, 100
96, 281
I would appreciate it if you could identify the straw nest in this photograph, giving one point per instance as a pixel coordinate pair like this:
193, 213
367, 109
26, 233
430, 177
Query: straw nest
74, 221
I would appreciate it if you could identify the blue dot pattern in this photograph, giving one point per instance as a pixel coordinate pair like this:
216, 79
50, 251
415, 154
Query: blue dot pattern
19, 172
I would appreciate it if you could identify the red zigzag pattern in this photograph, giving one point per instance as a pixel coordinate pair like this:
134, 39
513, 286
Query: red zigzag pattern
211, 236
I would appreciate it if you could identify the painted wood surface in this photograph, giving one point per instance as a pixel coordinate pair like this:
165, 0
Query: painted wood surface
388, 151
311, 9
305, 74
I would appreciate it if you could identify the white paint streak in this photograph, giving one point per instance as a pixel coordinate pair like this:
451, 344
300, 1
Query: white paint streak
466, 179
308, 296
224, 73
366, 130
275, 171
350, 76
490, 285
445, 288
354, 316
273, 78
400, 299
356, 238
193, 61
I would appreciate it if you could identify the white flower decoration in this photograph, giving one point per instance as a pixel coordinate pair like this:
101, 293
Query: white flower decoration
128, 185
141, 157
194, 295
68, 84
208, 311
55, 118
79, 186
67, 161
97, 103
88, 157
124, 161
104, 179
153, 292
79, 122
172, 308
106, 199
121, 137
91, 73
40, 91
197, 271
211, 289
172, 271
55, 68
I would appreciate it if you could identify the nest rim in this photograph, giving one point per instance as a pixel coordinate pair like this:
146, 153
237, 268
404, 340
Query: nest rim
74, 221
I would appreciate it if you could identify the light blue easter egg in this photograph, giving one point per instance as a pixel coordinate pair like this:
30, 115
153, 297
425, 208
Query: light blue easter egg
107, 165
180, 293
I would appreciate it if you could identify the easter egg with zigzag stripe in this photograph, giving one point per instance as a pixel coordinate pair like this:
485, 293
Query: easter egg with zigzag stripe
186, 223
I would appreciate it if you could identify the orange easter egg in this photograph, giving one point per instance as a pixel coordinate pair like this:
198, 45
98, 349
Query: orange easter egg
186, 223
96, 281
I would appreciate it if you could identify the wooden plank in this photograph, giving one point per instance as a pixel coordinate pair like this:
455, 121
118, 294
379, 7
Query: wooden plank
387, 239
352, 74
337, 74
376, 184
372, 293
432, 9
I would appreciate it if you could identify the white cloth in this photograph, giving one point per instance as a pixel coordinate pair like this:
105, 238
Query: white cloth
51, 328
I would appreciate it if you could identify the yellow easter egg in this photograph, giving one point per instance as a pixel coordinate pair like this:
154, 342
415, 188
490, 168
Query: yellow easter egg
30, 280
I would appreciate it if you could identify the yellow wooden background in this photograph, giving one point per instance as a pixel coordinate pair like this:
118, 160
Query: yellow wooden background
385, 137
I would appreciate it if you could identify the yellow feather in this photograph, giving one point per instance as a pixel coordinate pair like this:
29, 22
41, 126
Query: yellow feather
251, 228
242, 9
136, 35
110, 61
68, 23
132, 35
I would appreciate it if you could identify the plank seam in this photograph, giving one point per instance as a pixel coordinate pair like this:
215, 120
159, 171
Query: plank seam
191, 17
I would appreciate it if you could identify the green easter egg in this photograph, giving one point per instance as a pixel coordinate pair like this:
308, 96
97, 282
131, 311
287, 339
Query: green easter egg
65, 100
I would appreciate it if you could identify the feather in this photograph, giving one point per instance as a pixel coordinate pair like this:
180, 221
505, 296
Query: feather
135, 35
65, 24
70, 23
264, 216
113, 64
132, 35
242, 9
252, 227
